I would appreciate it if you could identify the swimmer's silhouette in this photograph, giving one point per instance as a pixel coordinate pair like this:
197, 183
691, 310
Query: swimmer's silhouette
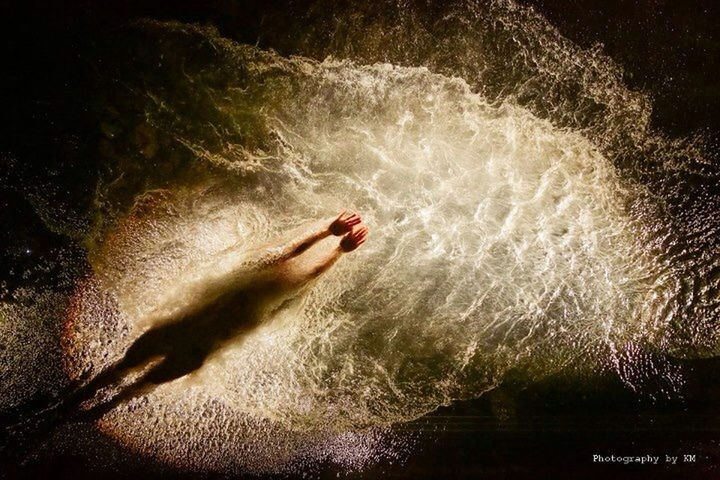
181, 344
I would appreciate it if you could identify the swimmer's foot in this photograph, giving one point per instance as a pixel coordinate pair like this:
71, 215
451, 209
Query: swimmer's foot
353, 239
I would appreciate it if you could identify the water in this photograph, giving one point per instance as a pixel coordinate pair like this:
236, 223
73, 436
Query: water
523, 216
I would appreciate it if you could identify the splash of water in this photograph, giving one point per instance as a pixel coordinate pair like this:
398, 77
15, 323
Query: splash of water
499, 241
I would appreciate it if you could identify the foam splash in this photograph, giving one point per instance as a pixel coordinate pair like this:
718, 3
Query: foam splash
499, 240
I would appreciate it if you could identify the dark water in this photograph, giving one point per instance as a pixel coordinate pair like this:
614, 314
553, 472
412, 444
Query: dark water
77, 155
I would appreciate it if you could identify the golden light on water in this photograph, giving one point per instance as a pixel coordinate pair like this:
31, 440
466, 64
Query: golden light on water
500, 241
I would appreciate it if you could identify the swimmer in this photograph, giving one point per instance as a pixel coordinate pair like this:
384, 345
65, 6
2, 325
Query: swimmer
181, 344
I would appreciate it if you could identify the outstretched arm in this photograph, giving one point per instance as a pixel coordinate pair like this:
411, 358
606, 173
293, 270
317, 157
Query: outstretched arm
341, 225
349, 242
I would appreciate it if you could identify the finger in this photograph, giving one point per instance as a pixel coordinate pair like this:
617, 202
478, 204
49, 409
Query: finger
352, 218
354, 222
341, 214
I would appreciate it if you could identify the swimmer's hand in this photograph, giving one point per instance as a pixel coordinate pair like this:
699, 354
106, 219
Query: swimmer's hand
344, 223
354, 239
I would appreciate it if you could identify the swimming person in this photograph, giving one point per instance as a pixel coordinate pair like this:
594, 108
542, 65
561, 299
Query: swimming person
222, 310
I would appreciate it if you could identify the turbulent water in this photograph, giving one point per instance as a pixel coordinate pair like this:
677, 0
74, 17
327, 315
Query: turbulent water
507, 179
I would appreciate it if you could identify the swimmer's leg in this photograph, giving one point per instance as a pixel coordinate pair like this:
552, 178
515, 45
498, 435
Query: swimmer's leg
148, 346
174, 366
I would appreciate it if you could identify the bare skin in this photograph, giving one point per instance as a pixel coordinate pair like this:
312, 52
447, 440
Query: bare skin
294, 273
180, 345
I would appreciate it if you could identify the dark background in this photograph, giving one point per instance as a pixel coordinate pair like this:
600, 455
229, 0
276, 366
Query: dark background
668, 48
